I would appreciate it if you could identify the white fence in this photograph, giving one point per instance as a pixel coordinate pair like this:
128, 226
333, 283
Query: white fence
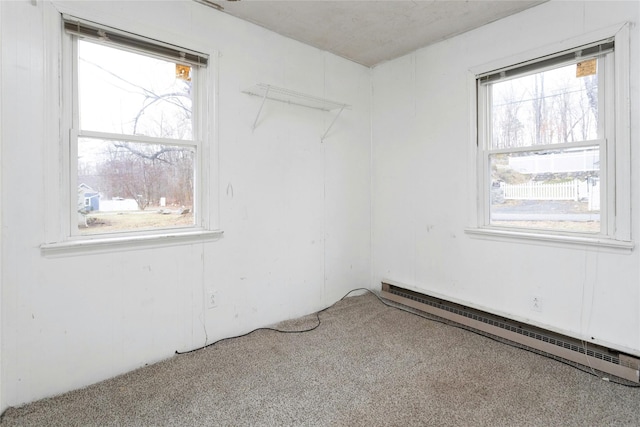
570, 190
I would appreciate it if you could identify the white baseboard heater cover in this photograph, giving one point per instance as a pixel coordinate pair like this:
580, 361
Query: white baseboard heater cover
599, 358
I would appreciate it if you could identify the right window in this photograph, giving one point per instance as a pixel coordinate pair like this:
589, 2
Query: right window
547, 144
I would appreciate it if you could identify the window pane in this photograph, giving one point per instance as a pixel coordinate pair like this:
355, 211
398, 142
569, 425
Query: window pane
129, 93
549, 107
124, 186
553, 190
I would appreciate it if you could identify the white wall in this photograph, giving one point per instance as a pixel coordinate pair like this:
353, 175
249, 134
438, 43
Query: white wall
423, 187
295, 211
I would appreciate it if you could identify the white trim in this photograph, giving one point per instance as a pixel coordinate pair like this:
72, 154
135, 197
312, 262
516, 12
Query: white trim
210, 149
548, 147
562, 239
137, 138
622, 96
63, 201
69, 122
615, 152
55, 198
606, 80
474, 213
106, 244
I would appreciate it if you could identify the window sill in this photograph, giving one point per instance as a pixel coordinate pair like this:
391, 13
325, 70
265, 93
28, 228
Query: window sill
107, 244
554, 239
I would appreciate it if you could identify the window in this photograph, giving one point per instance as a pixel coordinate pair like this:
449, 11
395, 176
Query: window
137, 139
549, 158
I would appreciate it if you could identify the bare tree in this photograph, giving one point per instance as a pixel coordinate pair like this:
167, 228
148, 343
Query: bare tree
591, 86
507, 126
538, 108
146, 173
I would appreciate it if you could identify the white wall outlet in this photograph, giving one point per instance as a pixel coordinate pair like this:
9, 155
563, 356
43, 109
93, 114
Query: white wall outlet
536, 303
212, 299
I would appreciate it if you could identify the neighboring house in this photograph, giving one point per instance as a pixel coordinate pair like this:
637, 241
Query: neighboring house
88, 198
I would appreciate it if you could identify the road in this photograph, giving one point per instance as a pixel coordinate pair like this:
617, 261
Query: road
543, 210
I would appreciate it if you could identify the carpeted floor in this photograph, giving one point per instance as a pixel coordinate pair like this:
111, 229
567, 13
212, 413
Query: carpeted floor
366, 365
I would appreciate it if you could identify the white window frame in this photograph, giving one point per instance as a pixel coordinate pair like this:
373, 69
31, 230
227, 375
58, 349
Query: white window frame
615, 151
61, 238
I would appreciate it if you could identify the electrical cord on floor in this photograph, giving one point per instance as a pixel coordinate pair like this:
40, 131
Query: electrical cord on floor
281, 331
432, 318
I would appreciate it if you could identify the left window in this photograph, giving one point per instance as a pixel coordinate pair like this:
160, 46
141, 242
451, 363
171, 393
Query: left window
136, 120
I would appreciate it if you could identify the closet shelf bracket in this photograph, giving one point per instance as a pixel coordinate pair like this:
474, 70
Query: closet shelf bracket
331, 125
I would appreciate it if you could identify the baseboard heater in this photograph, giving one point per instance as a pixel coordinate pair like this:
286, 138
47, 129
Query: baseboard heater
605, 360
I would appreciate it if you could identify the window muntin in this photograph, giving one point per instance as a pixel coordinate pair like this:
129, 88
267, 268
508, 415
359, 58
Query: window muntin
135, 140
544, 147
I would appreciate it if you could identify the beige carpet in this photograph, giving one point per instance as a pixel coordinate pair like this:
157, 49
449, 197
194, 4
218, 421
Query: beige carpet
365, 365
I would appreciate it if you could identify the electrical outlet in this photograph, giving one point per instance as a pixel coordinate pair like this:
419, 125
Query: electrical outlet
536, 304
212, 299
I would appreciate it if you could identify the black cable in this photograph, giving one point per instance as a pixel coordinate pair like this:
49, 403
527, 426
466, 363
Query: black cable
302, 331
432, 318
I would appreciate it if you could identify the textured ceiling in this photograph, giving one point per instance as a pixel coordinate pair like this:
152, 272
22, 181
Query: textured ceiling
371, 32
